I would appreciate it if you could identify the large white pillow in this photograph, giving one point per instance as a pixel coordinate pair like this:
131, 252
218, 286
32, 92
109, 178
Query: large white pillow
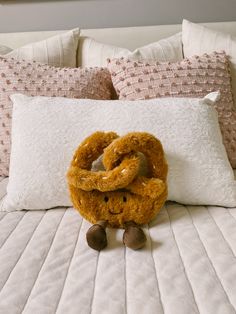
46, 131
93, 53
198, 39
59, 50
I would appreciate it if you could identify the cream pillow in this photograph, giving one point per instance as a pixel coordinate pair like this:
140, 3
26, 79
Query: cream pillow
4, 50
59, 50
198, 39
93, 53
46, 131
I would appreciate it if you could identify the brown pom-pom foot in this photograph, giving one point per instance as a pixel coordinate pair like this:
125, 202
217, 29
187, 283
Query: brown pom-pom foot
96, 236
134, 237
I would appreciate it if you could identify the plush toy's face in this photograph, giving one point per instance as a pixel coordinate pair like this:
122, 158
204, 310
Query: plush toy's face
116, 207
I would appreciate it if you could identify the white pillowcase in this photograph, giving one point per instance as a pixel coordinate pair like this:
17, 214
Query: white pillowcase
198, 39
59, 50
46, 132
93, 53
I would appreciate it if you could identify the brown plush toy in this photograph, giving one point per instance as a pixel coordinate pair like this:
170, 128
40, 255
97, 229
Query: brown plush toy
118, 197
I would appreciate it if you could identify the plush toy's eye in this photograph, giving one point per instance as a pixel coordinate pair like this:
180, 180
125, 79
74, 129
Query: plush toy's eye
124, 199
106, 199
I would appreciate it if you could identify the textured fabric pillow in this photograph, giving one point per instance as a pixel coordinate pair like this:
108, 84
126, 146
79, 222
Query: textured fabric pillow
198, 39
38, 79
59, 50
93, 53
192, 77
46, 131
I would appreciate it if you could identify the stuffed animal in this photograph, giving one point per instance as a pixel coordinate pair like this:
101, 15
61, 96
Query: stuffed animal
118, 196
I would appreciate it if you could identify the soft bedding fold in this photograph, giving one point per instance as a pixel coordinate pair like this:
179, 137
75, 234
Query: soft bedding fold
3, 187
47, 267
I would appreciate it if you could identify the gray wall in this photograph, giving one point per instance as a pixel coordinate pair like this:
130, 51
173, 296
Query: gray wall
53, 15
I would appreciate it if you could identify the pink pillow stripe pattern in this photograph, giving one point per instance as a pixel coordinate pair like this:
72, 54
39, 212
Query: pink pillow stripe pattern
193, 77
36, 79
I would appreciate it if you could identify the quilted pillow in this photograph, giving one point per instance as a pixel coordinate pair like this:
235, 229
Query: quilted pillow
38, 171
59, 50
32, 78
192, 77
94, 53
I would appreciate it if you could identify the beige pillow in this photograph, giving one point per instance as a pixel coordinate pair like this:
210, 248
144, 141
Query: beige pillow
198, 39
59, 50
93, 53
4, 50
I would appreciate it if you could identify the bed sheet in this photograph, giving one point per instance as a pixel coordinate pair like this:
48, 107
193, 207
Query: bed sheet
187, 266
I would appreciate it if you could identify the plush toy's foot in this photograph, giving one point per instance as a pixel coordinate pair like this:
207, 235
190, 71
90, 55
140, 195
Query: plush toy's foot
134, 237
96, 236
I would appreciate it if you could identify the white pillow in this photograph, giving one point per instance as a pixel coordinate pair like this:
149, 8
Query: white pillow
59, 50
46, 132
198, 39
93, 53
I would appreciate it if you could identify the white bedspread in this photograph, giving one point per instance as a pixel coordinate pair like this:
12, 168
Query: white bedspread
188, 265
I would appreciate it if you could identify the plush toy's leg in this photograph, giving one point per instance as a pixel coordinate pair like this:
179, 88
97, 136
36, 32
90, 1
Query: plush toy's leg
134, 237
96, 236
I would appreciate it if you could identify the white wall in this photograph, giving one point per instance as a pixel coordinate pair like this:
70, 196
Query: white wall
26, 15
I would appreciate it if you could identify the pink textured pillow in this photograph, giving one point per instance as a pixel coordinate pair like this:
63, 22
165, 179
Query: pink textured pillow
193, 77
36, 79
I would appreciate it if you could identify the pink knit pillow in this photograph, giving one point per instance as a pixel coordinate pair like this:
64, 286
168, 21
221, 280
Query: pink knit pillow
193, 77
36, 79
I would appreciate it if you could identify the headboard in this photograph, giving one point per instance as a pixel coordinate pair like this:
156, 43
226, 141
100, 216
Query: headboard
127, 37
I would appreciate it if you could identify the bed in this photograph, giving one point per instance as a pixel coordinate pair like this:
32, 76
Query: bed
187, 266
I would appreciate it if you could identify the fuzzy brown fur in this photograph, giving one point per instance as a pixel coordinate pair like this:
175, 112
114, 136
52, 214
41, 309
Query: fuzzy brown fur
118, 195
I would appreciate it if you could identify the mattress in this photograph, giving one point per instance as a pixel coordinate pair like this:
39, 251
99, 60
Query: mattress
188, 264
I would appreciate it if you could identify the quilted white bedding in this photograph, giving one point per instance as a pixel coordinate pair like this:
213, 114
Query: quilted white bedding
188, 265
